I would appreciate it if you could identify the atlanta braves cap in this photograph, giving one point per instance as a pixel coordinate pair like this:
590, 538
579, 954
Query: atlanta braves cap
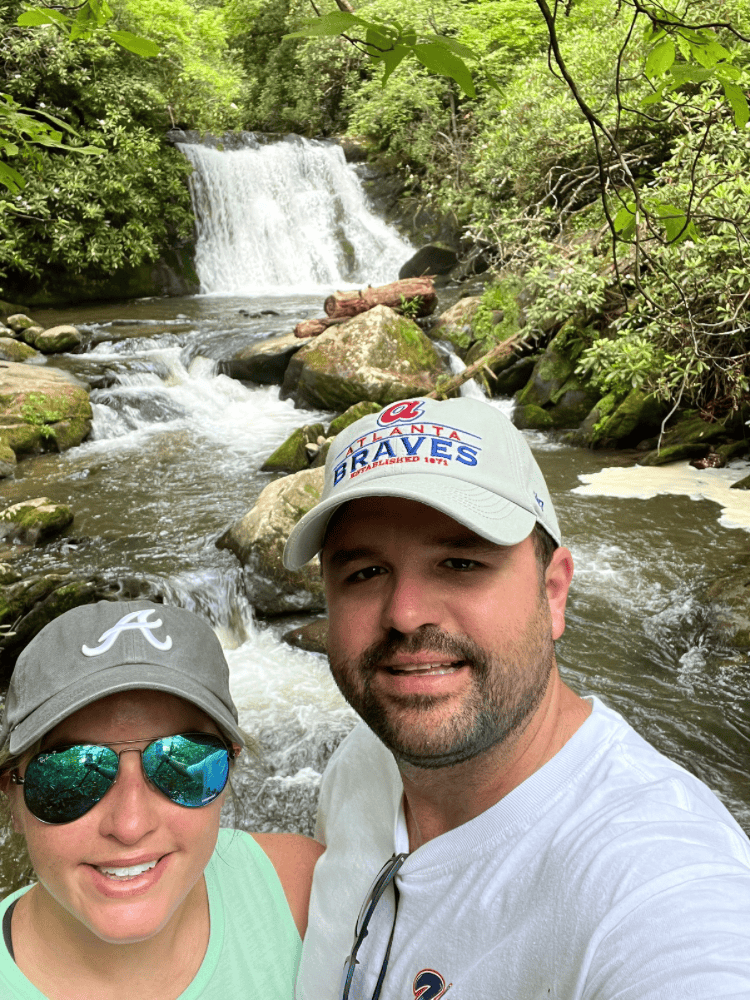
461, 456
101, 649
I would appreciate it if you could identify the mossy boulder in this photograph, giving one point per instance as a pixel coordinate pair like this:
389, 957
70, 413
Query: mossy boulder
7, 460
41, 409
554, 369
513, 376
350, 416
30, 604
58, 339
29, 335
529, 417
454, 325
292, 456
32, 521
377, 356
689, 438
638, 416
731, 592
16, 350
19, 322
258, 541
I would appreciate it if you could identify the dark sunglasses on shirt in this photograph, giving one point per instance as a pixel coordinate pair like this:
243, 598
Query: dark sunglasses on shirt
63, 783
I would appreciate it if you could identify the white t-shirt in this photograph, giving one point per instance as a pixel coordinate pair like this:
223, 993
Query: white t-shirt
609, 873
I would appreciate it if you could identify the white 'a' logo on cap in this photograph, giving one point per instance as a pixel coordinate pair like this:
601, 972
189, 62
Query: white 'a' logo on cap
136, 619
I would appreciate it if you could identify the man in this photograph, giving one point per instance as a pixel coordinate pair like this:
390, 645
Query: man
532, 845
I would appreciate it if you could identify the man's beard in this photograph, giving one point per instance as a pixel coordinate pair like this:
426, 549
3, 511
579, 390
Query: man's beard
504, 694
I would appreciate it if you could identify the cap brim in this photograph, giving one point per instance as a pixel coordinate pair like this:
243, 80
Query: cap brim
485, 513
124, 677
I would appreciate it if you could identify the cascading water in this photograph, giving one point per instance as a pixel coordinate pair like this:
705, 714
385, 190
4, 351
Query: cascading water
286, 215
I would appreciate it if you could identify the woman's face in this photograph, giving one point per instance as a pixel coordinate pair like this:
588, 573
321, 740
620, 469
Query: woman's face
164, 847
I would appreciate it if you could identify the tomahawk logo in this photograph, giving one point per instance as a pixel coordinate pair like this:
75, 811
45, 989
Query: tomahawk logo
396, 413
135, 620
429, 985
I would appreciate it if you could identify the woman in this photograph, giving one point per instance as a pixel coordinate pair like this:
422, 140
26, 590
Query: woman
118, 737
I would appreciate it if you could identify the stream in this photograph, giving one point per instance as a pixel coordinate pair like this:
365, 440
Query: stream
174, 457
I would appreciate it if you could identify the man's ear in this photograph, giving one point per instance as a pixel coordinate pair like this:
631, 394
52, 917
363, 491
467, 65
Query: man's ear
557, 579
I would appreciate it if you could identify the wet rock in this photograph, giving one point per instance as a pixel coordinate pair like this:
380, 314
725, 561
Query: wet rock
741, 484
690, 438
514, 377
312, 637
637, 416
377, 356
454, 325
32, 521
432, 259
41, 409
58, 339
15, 350
27, 606
263, 362
731, 592
258, 540
532, 418
7, 460
19, 322
29, 335
292, 456
343, 420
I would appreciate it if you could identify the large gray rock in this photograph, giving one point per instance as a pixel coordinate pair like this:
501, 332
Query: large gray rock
377, 356
263, 362
41, 409
432, 259
258, 541
19, 322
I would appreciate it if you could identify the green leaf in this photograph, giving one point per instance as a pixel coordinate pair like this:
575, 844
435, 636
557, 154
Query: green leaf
676, 223
709, 54
624, 222
377, 40
660, 59
10, 178
689, 74
134, 43
335, 23
738, 102
439, 59
460, 50
391, 59
34, 18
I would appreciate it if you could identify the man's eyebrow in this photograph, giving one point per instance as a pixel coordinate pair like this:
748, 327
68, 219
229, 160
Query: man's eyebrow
341, 557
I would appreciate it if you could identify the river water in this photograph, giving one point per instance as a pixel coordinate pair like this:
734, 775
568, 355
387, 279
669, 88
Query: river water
174, 457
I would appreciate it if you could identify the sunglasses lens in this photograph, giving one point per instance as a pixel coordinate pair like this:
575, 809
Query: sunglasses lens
61, 785
191, 770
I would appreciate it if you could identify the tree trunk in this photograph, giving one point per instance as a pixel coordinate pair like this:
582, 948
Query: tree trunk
346, 304
456, 381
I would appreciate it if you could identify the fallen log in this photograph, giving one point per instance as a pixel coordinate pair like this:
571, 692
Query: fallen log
421, 291
314, 327
447, 385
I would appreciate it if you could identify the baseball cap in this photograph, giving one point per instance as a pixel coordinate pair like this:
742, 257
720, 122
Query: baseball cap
112, 646
461, 456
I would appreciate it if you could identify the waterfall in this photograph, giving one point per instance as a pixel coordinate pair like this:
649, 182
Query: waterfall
287, 215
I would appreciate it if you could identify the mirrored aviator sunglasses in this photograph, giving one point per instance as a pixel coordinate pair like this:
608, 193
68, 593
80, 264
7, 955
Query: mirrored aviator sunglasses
61, 784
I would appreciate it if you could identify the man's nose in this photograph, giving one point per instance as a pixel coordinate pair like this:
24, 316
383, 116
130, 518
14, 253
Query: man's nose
410, 603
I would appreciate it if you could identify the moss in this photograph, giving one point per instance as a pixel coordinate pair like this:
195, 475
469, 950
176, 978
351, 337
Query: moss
291, 456
532, 417
675, 453
349, 416
638, 416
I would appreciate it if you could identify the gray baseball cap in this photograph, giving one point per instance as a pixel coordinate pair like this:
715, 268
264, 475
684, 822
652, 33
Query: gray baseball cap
461, 456
100, 649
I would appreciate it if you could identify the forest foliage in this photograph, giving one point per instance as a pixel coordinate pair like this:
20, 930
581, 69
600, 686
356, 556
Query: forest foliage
607, 172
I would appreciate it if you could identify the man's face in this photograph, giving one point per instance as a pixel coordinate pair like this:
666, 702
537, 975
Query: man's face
439, 639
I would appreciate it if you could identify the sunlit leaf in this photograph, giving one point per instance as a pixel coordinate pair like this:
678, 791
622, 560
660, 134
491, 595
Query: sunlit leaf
337, 22
738, 102
660, 58
10, 178
134, 43
391, 60
439, 59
